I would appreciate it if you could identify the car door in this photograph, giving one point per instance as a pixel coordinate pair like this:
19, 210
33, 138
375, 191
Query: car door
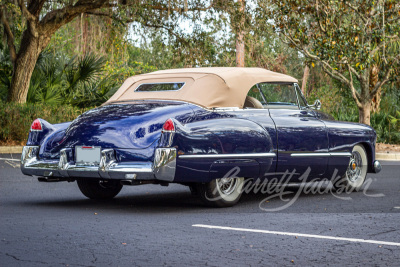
302, 137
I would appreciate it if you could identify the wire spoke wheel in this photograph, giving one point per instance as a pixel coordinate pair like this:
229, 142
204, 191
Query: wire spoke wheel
223, 192
227, 185
356, 171
355, 167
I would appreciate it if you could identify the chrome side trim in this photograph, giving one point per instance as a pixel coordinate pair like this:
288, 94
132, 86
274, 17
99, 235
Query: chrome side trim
220, 156
330, 154
165, 164
340, 154
310, 155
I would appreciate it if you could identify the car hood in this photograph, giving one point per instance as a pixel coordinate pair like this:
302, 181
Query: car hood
135, 125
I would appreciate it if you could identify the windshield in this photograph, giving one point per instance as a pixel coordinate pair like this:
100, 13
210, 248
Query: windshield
275, 95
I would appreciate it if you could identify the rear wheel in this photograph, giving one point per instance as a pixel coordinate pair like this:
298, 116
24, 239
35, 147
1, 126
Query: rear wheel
356, 171
224, 192
99, 189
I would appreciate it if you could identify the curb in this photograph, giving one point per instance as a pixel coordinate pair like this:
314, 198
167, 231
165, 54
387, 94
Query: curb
18, 150
387, 156
11, 149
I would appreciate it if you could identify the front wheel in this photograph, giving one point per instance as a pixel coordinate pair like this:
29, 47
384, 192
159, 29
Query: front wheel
99, 189
356, 171
224, 192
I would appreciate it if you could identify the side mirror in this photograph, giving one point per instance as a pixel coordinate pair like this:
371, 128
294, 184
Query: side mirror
317, 105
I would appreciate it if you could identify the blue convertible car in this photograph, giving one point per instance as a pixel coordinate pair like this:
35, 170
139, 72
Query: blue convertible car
207, 128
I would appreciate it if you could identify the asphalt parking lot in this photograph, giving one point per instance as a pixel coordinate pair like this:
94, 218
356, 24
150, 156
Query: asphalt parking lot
53, 224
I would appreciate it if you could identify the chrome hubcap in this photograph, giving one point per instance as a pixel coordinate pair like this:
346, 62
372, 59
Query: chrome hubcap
355, 165
227, 185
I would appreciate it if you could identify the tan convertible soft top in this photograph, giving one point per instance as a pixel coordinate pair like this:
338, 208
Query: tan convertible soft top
207, 87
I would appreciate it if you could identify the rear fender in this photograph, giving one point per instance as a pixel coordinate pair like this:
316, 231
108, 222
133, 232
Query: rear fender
49, 134
219, 136
36, 137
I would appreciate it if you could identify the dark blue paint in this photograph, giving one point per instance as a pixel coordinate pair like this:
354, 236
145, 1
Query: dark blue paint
299, 131
125, 126
133, 130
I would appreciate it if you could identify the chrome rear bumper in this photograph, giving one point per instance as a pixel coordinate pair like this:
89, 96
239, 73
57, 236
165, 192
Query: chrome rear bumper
163, 167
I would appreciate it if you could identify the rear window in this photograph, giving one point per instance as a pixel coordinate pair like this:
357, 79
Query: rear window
152, 87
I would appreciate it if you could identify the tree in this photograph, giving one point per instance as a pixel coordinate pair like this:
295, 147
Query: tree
44, 17
240, 34
355, 42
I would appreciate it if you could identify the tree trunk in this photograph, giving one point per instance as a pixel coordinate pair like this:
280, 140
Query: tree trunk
27, 56
306, 74
240, 36
376, 101
373, 80
23, 68
240, 50
84, 34
364, 113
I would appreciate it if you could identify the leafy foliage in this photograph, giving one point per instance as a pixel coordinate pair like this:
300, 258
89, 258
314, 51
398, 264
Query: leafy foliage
355, 42
57, 80
90, 57
16, 119
5, 72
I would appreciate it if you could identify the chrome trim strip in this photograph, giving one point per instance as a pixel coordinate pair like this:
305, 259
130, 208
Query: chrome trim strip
310, 155
340, 154
330, 154
219, 156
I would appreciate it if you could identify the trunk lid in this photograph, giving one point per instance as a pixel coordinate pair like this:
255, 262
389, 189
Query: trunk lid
135, 125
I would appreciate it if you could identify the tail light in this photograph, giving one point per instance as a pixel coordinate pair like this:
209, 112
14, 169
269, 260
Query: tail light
168, 127
36, 125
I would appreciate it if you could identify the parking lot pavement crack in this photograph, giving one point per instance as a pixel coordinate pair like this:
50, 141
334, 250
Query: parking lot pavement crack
94, 257
385, 232
45, 263
18, 259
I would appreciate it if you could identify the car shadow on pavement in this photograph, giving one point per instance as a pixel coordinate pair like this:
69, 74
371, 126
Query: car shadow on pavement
148, 203
180, 199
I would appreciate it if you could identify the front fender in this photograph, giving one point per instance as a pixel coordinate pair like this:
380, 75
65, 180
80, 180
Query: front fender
343, 136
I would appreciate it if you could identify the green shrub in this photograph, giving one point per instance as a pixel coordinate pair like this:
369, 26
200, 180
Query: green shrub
386, 123
16, 119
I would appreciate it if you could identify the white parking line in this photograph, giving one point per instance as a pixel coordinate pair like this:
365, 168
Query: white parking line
10, 159
299, 235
